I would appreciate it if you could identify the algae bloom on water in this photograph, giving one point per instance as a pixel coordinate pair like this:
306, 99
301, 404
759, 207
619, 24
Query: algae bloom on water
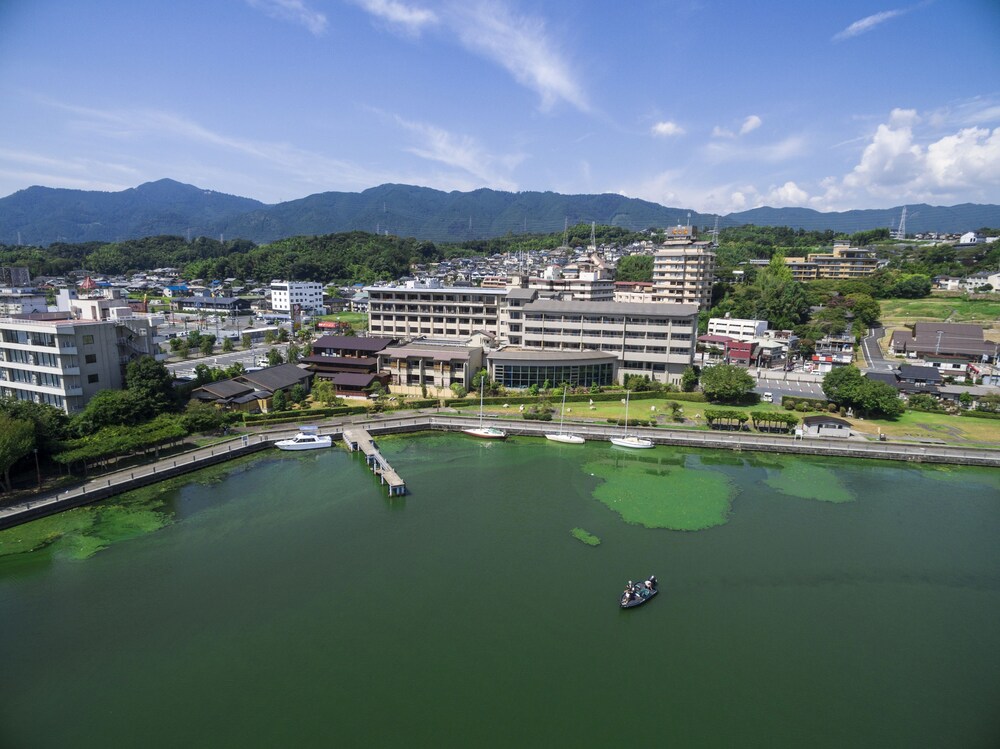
588, 538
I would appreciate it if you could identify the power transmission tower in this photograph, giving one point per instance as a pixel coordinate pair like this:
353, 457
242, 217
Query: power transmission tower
900, 233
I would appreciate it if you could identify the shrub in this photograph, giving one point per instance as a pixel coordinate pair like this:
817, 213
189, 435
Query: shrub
789, 404
802, 407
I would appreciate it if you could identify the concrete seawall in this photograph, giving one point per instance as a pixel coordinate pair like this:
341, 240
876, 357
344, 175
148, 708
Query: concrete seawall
118, 482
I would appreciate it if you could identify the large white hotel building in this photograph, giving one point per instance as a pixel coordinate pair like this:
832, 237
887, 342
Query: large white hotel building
580, 342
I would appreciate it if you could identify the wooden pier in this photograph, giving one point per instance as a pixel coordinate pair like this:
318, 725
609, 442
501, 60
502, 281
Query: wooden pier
357, 438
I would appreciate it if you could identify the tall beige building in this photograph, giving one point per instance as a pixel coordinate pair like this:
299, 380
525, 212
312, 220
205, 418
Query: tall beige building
684, 274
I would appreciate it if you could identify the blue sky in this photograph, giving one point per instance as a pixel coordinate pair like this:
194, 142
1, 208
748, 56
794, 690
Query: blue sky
704, 104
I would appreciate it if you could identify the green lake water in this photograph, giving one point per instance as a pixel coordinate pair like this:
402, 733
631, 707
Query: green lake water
805, 602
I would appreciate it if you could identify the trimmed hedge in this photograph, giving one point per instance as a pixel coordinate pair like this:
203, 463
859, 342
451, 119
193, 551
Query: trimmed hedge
584, 398
981, 414
816, 404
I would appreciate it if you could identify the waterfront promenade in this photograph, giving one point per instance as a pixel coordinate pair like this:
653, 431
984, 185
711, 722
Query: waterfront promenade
117, 482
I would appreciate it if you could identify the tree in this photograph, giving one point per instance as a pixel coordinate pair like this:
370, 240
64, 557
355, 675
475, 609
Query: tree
274, 357
293, 353
279, 402
152, 381
111, 408
689, 379
726, 382
246, 341
324, 392
51, 424
635, 268
207, 345
913, 286
298, 393
842, 385
965, 399
17, 438
879, 398
227, 344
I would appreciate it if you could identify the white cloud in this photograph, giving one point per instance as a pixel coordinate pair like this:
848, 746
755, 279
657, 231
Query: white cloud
518, 43
294, 11
461, 152
750, 124
666, 129
410, 18
721, 151
867, 24
896, 167
788, 194
521, 45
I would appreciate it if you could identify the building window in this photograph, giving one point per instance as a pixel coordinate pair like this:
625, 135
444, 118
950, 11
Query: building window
90, 358
92, 378
88, 339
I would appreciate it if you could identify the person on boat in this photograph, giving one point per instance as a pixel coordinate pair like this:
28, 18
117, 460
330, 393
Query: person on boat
629, 591
651, 582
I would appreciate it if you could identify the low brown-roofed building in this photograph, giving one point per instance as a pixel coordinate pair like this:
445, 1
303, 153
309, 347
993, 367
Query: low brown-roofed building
942, 338
252, 391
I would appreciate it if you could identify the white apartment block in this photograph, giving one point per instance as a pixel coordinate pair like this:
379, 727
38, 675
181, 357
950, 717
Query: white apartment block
633, 292
59, 362
286, 294
684, 275
14, 301
587, 287
425, 308
734, 327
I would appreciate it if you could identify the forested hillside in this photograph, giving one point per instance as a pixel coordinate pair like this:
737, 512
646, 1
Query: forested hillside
42, 215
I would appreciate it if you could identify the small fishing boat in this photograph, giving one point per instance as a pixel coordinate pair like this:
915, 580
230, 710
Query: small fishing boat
308, 438
637, 594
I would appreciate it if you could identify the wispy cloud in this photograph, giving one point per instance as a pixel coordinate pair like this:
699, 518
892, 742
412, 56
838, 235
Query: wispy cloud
294, 11
868, 23
409, 18
666, 129
517, 42
521, 45
750, 124
726, 151
460, 152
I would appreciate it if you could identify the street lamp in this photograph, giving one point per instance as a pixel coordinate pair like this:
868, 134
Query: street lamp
38, 470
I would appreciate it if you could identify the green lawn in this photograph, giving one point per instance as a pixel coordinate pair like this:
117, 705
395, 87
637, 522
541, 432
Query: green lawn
912, 424
357, 320
940, 309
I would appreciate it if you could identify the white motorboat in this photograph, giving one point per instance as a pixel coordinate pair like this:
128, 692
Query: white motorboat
308, 438
562, 435
631, 440
483, 431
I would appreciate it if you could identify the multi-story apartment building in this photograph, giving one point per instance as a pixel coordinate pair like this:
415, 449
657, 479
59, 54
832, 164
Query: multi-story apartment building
306, 294
63, 358
586, 287
59, 362
633, 292
426, 308
684, 274
844, 262
734, 327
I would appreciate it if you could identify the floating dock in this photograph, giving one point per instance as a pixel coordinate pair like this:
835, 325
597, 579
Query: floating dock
359, 439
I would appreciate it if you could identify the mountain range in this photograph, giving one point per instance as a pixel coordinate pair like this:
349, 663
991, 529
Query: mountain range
43, 215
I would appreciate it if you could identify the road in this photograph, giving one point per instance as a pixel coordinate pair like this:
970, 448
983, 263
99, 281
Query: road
254, 357
873, 351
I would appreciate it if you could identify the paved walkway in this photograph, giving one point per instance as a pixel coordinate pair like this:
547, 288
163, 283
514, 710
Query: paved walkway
117, 482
